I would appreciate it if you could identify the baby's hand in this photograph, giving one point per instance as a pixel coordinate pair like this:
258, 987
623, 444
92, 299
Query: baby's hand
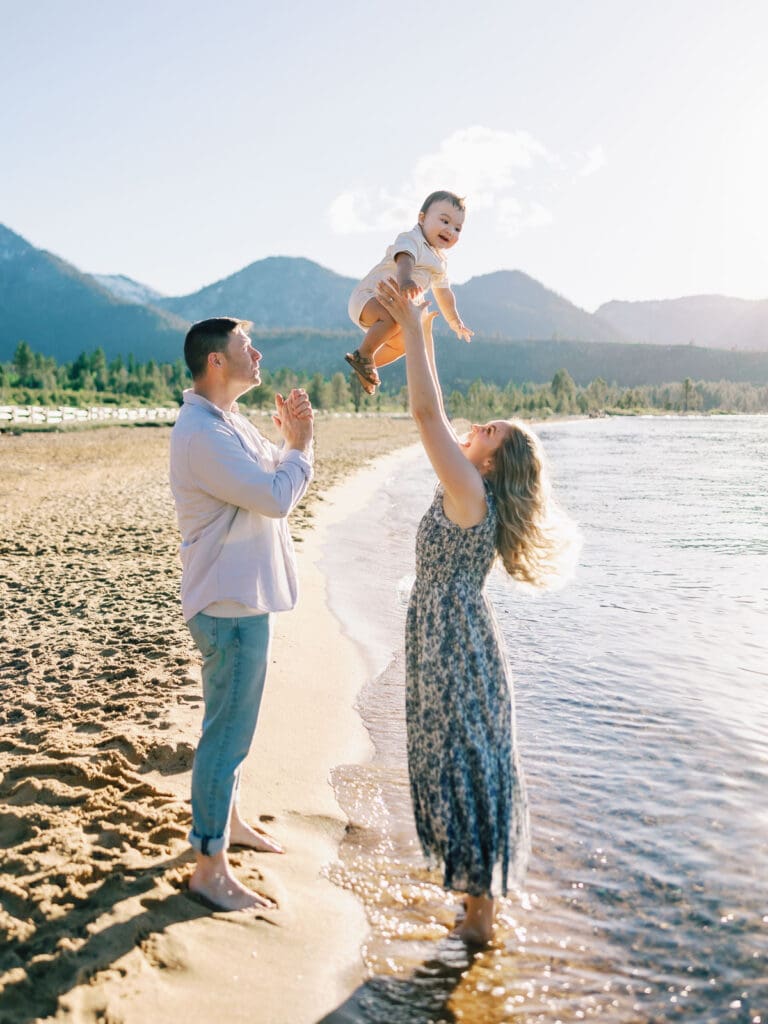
461, 330
410, 289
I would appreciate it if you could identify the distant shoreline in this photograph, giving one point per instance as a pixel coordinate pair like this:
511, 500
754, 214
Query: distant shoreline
22, 426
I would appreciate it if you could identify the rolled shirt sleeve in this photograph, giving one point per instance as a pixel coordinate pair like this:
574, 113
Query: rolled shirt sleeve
233, 490
226, 470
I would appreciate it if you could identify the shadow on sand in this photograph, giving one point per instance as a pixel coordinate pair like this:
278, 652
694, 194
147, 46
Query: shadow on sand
53, 969
421, 998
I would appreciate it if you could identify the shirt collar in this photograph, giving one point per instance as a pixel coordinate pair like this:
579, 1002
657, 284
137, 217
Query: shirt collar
191, 397
431, 248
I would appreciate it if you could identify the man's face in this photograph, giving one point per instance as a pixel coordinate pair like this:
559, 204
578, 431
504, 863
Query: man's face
242, 359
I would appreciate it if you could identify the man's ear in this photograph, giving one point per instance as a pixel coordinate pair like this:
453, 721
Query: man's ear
421, 216
214, 358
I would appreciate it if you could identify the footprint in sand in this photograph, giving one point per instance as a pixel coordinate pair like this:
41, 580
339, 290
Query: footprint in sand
14, 830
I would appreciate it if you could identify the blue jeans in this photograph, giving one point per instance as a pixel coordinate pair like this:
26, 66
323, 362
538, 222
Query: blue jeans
235, 655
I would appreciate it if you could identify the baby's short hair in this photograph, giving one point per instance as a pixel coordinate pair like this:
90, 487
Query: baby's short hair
439, 197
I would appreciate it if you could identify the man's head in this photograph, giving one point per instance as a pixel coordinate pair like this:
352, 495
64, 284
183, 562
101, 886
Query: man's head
218, 336
441, 218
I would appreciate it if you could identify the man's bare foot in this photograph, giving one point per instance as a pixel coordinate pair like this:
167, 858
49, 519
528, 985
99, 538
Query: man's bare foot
213, 882
241, 834
224, 892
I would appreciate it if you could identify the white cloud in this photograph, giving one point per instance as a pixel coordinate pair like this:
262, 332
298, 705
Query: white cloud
495, 170
514, 216
356, 212
594, 161
343, 216
476, 162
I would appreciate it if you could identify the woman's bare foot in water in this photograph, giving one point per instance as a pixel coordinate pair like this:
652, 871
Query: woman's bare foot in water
476, 928
242, 834
213, 882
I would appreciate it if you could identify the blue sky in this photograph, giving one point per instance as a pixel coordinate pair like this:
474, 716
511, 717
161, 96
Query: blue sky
609, 149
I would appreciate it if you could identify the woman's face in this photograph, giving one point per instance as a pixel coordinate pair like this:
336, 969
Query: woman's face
483, 440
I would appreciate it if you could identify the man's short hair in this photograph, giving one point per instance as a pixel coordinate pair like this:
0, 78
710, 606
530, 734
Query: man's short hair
439, 197
208, 336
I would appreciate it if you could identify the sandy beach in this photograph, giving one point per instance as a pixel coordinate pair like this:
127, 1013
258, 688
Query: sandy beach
97, 732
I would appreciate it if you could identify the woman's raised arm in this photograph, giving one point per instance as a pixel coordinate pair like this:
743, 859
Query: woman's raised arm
464, 501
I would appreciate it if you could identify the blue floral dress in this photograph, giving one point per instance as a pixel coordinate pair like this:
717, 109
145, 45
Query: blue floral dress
466, 783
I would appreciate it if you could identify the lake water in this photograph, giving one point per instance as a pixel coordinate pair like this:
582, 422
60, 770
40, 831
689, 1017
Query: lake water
642, 719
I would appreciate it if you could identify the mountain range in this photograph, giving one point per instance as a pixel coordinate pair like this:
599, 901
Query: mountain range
128, 290
712, 321
290, 292
61, 311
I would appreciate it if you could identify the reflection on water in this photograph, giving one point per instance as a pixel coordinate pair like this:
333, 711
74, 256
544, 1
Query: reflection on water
642, 707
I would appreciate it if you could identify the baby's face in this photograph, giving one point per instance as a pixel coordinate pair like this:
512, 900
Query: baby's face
442, 224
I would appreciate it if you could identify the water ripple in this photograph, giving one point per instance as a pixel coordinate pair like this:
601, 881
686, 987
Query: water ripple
642, 706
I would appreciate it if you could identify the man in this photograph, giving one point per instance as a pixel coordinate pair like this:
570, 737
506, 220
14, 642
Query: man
233, 490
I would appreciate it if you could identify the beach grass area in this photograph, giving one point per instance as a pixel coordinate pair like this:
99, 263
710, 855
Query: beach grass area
97, 733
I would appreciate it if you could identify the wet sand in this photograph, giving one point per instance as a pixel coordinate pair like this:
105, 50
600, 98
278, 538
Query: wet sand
97, 732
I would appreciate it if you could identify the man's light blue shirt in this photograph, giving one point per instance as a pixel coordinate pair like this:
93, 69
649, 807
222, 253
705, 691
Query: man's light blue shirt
233, 490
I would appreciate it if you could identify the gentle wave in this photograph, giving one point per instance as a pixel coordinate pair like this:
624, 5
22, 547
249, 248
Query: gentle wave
642, 709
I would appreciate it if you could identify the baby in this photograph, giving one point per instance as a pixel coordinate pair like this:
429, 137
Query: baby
417, 261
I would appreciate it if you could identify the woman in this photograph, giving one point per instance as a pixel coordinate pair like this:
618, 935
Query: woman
492, 501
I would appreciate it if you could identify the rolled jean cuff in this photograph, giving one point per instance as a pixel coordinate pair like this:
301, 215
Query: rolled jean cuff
207, 845
235, 657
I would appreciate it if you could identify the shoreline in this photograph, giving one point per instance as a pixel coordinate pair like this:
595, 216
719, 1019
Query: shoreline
311, 959
97, 740
106, 713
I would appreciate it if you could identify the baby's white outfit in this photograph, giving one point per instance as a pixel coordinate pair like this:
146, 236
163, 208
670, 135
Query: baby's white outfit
429, 270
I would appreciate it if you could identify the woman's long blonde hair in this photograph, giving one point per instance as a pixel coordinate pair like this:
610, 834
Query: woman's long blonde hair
536, 542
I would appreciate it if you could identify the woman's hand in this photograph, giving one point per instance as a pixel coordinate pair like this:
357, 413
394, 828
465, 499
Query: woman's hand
464, 501
398, 305
428, 317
